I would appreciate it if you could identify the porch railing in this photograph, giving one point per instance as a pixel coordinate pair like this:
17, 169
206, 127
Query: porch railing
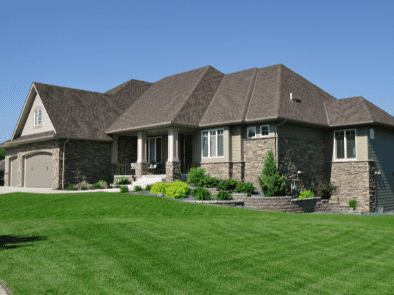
124, 169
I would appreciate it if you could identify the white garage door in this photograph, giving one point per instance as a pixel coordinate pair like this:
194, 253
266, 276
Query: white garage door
13, 172
39, 170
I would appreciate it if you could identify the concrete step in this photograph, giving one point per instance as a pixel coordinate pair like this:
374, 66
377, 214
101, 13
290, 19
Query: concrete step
144, 181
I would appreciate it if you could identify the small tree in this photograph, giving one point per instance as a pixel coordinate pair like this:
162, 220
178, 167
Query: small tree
270, 182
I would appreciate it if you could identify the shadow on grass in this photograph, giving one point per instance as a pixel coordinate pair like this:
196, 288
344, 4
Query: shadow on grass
9, 241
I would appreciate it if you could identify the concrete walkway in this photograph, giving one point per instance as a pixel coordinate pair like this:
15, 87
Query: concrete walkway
11, 189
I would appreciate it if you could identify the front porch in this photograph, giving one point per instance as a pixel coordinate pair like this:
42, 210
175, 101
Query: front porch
154, 154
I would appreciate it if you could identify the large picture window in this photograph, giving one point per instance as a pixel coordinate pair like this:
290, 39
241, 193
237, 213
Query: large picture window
212, 143
154, 150
345, 144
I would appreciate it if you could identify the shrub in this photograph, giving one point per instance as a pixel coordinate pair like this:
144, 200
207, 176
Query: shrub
116, 182
195, 175
124, 189
228, 184
326, 190
306, 194
159, 187
270, 182
96, 186
177, 189
137, 188
353, 204
70, 187
122, 180
101, 181
117, 186
209, 181
84, 188
148, 187
244, 188
195, 191
223, 195
202, 194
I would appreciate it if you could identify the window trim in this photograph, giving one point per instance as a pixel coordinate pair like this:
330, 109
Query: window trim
261, 131
209, 146
345, 145
247, 132
148, 147
37, 115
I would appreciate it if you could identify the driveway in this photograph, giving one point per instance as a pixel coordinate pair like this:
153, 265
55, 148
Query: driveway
12, 189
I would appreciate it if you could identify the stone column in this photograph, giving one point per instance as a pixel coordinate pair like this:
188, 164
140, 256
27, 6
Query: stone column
142, 164
173, 165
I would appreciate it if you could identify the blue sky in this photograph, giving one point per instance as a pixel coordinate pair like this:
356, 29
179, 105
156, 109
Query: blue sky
344, 47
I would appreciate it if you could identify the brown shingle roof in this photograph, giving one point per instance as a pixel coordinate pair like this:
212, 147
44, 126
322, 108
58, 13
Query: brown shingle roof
29, 137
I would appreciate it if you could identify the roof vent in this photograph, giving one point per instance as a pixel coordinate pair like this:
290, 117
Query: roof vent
295, 99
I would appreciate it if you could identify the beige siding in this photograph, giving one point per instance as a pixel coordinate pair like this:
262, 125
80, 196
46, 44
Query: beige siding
236, 140
46, 124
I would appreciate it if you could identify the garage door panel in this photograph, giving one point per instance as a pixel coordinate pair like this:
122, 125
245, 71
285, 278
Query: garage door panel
39, 170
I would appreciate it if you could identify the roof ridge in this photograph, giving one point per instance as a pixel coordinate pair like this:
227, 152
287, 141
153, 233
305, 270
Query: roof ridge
367, 108
325, 111
70, 88
190, 93
279, 88
250, 92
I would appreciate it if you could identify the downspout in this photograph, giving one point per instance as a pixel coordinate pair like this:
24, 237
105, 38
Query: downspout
276, 145
64, 150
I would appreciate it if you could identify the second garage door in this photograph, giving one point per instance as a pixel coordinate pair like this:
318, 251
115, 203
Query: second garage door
39, 170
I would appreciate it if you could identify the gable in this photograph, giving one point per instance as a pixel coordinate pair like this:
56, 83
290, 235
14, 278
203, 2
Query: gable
46, 124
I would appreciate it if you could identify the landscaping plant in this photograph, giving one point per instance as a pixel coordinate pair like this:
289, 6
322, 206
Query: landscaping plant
84, 188
70, 187
137, 188
195, 175
228, 184
353, 204
326, 190
122, 180
148, 187
271, 183
209, 181
124, 189
245, 188
223, 195
96, 186
177, 189
202, 194
159, 187
306, 194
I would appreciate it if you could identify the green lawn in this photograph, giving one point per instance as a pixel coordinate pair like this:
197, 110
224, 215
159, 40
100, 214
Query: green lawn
113, 243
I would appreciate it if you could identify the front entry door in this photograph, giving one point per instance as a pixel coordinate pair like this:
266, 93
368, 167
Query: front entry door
187, 152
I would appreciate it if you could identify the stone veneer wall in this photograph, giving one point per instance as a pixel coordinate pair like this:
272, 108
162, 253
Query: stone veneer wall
218, 170
173, 171
141, 169
355, 181
372, 186
91, 158
238, 171
255, 152
127, 149
303, 155
52, 146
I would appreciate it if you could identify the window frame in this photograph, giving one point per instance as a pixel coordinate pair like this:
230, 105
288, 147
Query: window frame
37, 117
345, 145
209, 144
261, 130
161, 151
247, 132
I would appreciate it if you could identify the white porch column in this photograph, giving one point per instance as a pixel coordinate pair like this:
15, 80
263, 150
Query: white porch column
114, 158
173, 149
141, 148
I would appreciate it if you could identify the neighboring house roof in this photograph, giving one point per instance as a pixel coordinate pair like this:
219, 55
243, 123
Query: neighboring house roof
198, 98
2, 165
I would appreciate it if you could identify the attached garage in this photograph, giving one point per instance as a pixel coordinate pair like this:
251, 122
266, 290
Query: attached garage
14, 171
38, 170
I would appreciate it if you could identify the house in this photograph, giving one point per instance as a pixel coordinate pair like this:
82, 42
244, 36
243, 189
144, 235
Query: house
204, 118
2, 168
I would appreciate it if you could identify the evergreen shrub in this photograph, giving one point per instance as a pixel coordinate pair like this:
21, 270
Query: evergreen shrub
271, 183
124, 189
223, 195
245, 188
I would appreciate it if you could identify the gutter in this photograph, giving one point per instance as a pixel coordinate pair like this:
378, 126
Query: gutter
64, 150
276, 144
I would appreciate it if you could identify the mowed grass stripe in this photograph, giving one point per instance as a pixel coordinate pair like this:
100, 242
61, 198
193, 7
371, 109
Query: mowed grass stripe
112, 243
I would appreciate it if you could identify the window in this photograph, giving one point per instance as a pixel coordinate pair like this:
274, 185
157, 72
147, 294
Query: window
251, 132
264, 130
212, 143
154, 150
372, 134
345, 144
37, 117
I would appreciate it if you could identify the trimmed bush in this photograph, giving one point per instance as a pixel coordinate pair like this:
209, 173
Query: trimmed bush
148, 187
84, 188
270, 182
195, 191
124, 189
159, 187
209, 181
195, 175
137, 188
227, 184
245, 188
177, 189
223, 195
326, 190
306, 194
202, 194
353, 204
